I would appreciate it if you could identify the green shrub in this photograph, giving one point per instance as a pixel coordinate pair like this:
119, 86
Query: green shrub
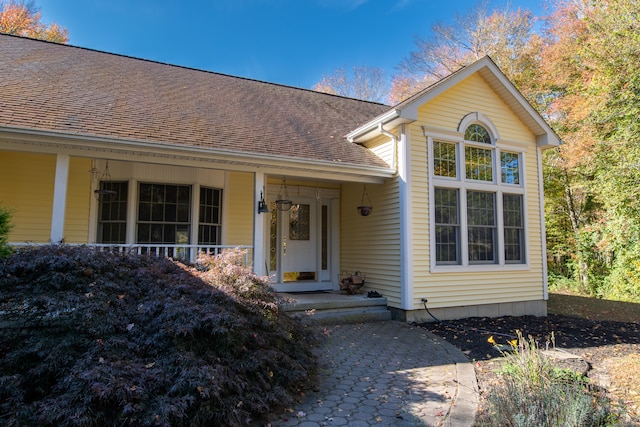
535, 393
5, 227
106, 339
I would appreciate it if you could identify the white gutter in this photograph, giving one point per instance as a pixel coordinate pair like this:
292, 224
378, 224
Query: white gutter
368, 127
118, 149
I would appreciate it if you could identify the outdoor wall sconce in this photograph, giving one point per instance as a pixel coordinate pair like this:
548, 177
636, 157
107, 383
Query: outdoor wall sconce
283, 203
365, 210
262, 205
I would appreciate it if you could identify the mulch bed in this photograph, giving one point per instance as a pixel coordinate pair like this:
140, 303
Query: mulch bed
597, 342
470, 335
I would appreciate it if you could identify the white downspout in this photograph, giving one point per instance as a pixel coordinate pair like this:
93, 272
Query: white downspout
394, 153
406, 241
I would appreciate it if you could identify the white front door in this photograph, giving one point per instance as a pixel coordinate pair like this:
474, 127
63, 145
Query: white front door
300, 246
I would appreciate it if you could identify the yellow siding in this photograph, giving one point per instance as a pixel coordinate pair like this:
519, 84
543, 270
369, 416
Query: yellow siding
371, 244
240, 208
26, 187
461, 288
382, 147
76, 221
419, 218
471, 95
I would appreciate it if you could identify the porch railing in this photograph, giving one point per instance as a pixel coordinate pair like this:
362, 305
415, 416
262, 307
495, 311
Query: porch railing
183, 252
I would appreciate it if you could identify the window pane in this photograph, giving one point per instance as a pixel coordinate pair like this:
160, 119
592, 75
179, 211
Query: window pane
184, 212
513, 228
144, 211
447, 226
325, 237
299, 225
144, 233
112, 212
444, 159
210, 228
482, 226
170, 212
164, 213
510, 168
478, 163
157, 212
171, 194
477, 133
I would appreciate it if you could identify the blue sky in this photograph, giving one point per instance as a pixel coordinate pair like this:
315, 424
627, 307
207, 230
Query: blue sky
291, 42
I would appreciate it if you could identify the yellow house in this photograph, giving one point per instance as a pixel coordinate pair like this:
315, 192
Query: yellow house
129, 154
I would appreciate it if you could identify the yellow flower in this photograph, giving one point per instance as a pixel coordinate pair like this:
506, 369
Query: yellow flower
491, 340
514, 343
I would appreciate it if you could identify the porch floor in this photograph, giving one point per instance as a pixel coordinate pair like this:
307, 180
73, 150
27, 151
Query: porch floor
333, 307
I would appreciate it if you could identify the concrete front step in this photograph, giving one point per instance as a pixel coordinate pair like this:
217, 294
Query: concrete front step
331, 308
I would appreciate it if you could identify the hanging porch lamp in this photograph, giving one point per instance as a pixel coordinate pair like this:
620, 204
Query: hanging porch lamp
103, 193
365, 209
283, 203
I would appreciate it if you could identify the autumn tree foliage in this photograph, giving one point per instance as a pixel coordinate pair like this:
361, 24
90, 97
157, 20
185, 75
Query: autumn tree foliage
505, 35
366, 83
22, 18
589, 69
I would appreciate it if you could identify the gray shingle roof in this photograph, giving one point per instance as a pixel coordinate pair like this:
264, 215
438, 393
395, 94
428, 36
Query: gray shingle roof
60, 88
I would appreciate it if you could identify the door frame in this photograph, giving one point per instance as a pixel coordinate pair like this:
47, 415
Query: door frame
326, 280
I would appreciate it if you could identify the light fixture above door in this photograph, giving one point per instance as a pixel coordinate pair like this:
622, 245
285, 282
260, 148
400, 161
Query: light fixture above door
283, 202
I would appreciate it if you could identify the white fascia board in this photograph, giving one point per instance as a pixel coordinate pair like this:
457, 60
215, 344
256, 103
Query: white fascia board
164, 153
548, 138
391, 119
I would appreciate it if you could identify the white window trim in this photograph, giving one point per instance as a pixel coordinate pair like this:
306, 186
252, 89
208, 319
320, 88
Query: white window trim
463, 185
127, 172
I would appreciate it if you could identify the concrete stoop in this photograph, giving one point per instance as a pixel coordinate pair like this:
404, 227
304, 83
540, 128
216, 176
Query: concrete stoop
313, 309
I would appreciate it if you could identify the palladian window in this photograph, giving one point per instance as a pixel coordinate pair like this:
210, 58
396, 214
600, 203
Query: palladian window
478, 199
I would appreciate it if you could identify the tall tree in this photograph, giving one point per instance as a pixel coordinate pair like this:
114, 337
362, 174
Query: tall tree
589, 68
365, 83
505, 35
22, 18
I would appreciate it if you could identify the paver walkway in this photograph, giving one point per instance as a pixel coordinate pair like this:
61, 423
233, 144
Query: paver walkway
388, 374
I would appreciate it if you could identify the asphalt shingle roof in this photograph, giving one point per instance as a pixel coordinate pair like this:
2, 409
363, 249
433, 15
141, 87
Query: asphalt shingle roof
60, 88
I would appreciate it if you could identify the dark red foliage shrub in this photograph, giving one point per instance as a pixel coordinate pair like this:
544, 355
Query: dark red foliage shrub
94, 338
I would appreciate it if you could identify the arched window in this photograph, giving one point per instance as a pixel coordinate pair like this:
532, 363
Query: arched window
478, 159
477, 133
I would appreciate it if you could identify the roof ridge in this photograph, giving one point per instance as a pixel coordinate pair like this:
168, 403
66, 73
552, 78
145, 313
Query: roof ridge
184, 67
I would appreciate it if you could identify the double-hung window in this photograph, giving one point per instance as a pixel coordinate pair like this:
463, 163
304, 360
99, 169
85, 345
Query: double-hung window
112, 212
478, 200
163, 214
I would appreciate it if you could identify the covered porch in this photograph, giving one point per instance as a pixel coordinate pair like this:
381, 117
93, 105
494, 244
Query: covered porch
288, 221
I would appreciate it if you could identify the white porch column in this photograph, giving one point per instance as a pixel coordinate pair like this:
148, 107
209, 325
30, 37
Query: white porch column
406, 239
59, 198
259, 220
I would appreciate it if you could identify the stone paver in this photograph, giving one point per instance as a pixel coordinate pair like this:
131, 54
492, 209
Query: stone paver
388, 374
